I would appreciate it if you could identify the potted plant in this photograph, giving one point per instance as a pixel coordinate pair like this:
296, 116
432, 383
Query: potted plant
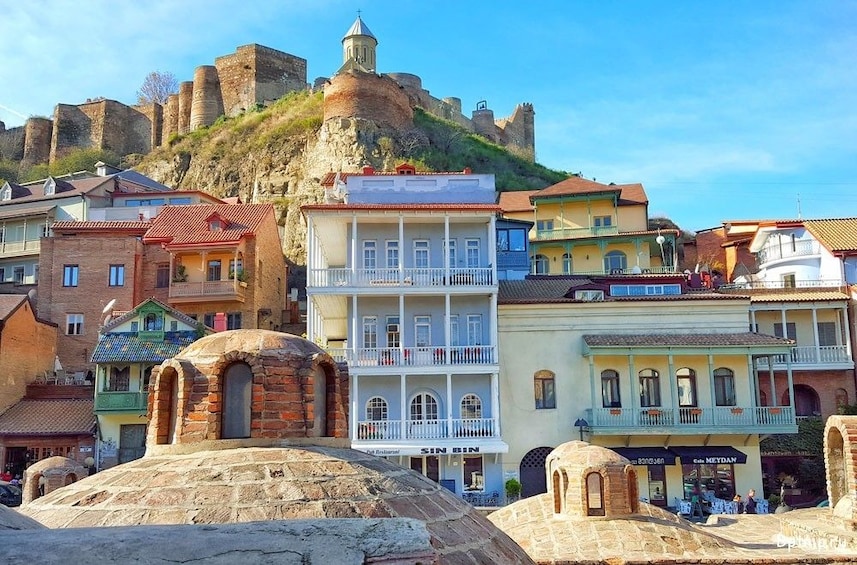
180, 275
513, 489
240, 275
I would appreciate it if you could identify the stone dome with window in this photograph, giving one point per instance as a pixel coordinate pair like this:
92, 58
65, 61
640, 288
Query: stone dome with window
251, 425
592, 513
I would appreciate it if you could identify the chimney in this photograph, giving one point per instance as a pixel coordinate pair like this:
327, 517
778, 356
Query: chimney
368, 170
220, 322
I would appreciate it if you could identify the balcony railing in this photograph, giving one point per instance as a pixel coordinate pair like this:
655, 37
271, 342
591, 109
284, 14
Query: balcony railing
785, 250
689, 418
121, 401
220, 289
575, 233
12, 248
416, 356
658, 270
773, 285
378, 430
810, 355
407, 278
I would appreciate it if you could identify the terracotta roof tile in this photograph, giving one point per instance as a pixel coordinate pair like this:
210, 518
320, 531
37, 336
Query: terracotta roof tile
517, 200
48, 417
9, 303
628, 193
72, 226
533, 291
798, 296
835, 234
677, 340
182, 225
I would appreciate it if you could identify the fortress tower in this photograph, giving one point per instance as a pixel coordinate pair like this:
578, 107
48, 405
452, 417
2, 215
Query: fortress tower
358, 46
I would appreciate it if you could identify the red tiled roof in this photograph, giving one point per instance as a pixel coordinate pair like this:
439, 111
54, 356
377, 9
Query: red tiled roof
837, 235
517, 200
48, 417
627, 193
184, 225
328, 178
449, 206
748, 339
100, 226
798, 296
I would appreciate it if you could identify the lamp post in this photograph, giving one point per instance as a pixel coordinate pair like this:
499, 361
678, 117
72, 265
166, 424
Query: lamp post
581, 423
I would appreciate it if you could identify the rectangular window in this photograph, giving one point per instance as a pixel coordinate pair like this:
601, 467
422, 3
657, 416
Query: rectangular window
233, 321
174, 326
790, 328
451, 249
370, 255
393, 254
724, 389
827, 334
603, 221
208, 319
589, 295
511, 240
421, 253
162, 279
545, 392
474, 329
236, 266
544, 225
370, 332
74, 324
789, 280
422, 331
394, 332
610, 389
2, 274
18, 275
69, 275
650, 390
117, 275
214, 270
474, 475
472, 250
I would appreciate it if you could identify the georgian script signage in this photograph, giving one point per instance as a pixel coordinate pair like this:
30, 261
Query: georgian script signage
649, 461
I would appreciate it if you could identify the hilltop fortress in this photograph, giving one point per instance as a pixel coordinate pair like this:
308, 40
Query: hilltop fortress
257, 75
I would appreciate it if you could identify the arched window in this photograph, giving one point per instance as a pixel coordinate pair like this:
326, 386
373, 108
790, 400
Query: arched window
724, 387
806, 402
841, 397
541, 265
686, 382
319, 404
650, 388
594, 495
610, 389
376, 409
471, 407
545, 392
615, 261
424, 407
237, 398
566, 263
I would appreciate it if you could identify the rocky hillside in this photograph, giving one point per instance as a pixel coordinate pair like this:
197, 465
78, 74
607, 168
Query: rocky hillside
279, 154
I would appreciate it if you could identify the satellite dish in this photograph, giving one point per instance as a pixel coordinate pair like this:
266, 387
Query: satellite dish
109, 306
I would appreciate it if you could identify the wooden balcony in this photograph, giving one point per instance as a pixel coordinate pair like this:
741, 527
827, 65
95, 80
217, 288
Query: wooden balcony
687, 421
453, 428
207, 291
19, 248
410, 278
121, 402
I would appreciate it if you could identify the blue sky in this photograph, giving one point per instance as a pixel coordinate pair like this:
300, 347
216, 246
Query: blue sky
722, 110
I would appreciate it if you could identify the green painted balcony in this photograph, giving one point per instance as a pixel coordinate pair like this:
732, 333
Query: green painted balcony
689, 421
112, 402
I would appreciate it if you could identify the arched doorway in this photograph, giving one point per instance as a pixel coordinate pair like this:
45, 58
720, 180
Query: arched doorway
837, 475
532, 472
806, 402
237, 396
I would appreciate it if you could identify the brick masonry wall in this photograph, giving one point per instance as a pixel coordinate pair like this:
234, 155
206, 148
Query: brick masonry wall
255, 74
368, 96
12, 143
826, 384
93, 254
267, 282
27, 349
38, 135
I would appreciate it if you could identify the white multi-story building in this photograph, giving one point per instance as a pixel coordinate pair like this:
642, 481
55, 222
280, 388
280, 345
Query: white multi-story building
402, 284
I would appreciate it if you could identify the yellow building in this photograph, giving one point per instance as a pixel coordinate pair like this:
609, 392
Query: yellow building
668, 379
585, 227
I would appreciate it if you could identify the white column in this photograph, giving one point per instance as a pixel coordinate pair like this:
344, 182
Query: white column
632, 403
592, 385
355, 416
752, 320
791, 385
673, 387
354, 249
446, 248
495, 332
403, 391
847, 325
492, 247
401, 265
774, 400
356, 333
402, 326
447, 335
449, 405
711, 379
815, 335
495, 402
754, 382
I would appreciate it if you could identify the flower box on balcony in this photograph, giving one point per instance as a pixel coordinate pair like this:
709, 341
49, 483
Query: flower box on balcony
695, 411
616, 411
737, 411
653, 412
775, 411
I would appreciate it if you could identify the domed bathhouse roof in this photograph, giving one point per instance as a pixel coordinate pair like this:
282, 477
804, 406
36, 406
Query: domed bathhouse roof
250, 425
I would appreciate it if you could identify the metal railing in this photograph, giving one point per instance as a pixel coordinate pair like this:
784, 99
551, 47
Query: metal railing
784, 250
416, 356
713, 416
575, 233
378, 430
774, 285
407, 278
809, 355
121, 401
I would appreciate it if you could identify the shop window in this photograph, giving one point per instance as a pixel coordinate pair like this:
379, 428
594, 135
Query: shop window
702, 478
427, 466
545, 392
474, 474
610, 389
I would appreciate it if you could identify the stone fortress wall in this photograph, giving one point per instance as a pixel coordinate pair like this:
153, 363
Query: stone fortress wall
253, 75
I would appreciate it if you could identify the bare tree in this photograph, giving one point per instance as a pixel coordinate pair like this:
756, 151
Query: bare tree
157, 87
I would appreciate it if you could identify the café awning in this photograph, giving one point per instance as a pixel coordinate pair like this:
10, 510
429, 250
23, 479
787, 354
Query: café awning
709, 455
646, 455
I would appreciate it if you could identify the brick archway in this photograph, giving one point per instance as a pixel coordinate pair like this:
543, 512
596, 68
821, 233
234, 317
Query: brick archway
840, 456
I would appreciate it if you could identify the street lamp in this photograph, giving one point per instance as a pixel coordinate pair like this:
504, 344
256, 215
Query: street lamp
581, 423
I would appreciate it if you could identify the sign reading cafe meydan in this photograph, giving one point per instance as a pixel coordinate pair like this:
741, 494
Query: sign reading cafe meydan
714, 460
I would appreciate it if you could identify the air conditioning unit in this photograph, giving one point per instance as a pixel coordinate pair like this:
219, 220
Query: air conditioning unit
392, 328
